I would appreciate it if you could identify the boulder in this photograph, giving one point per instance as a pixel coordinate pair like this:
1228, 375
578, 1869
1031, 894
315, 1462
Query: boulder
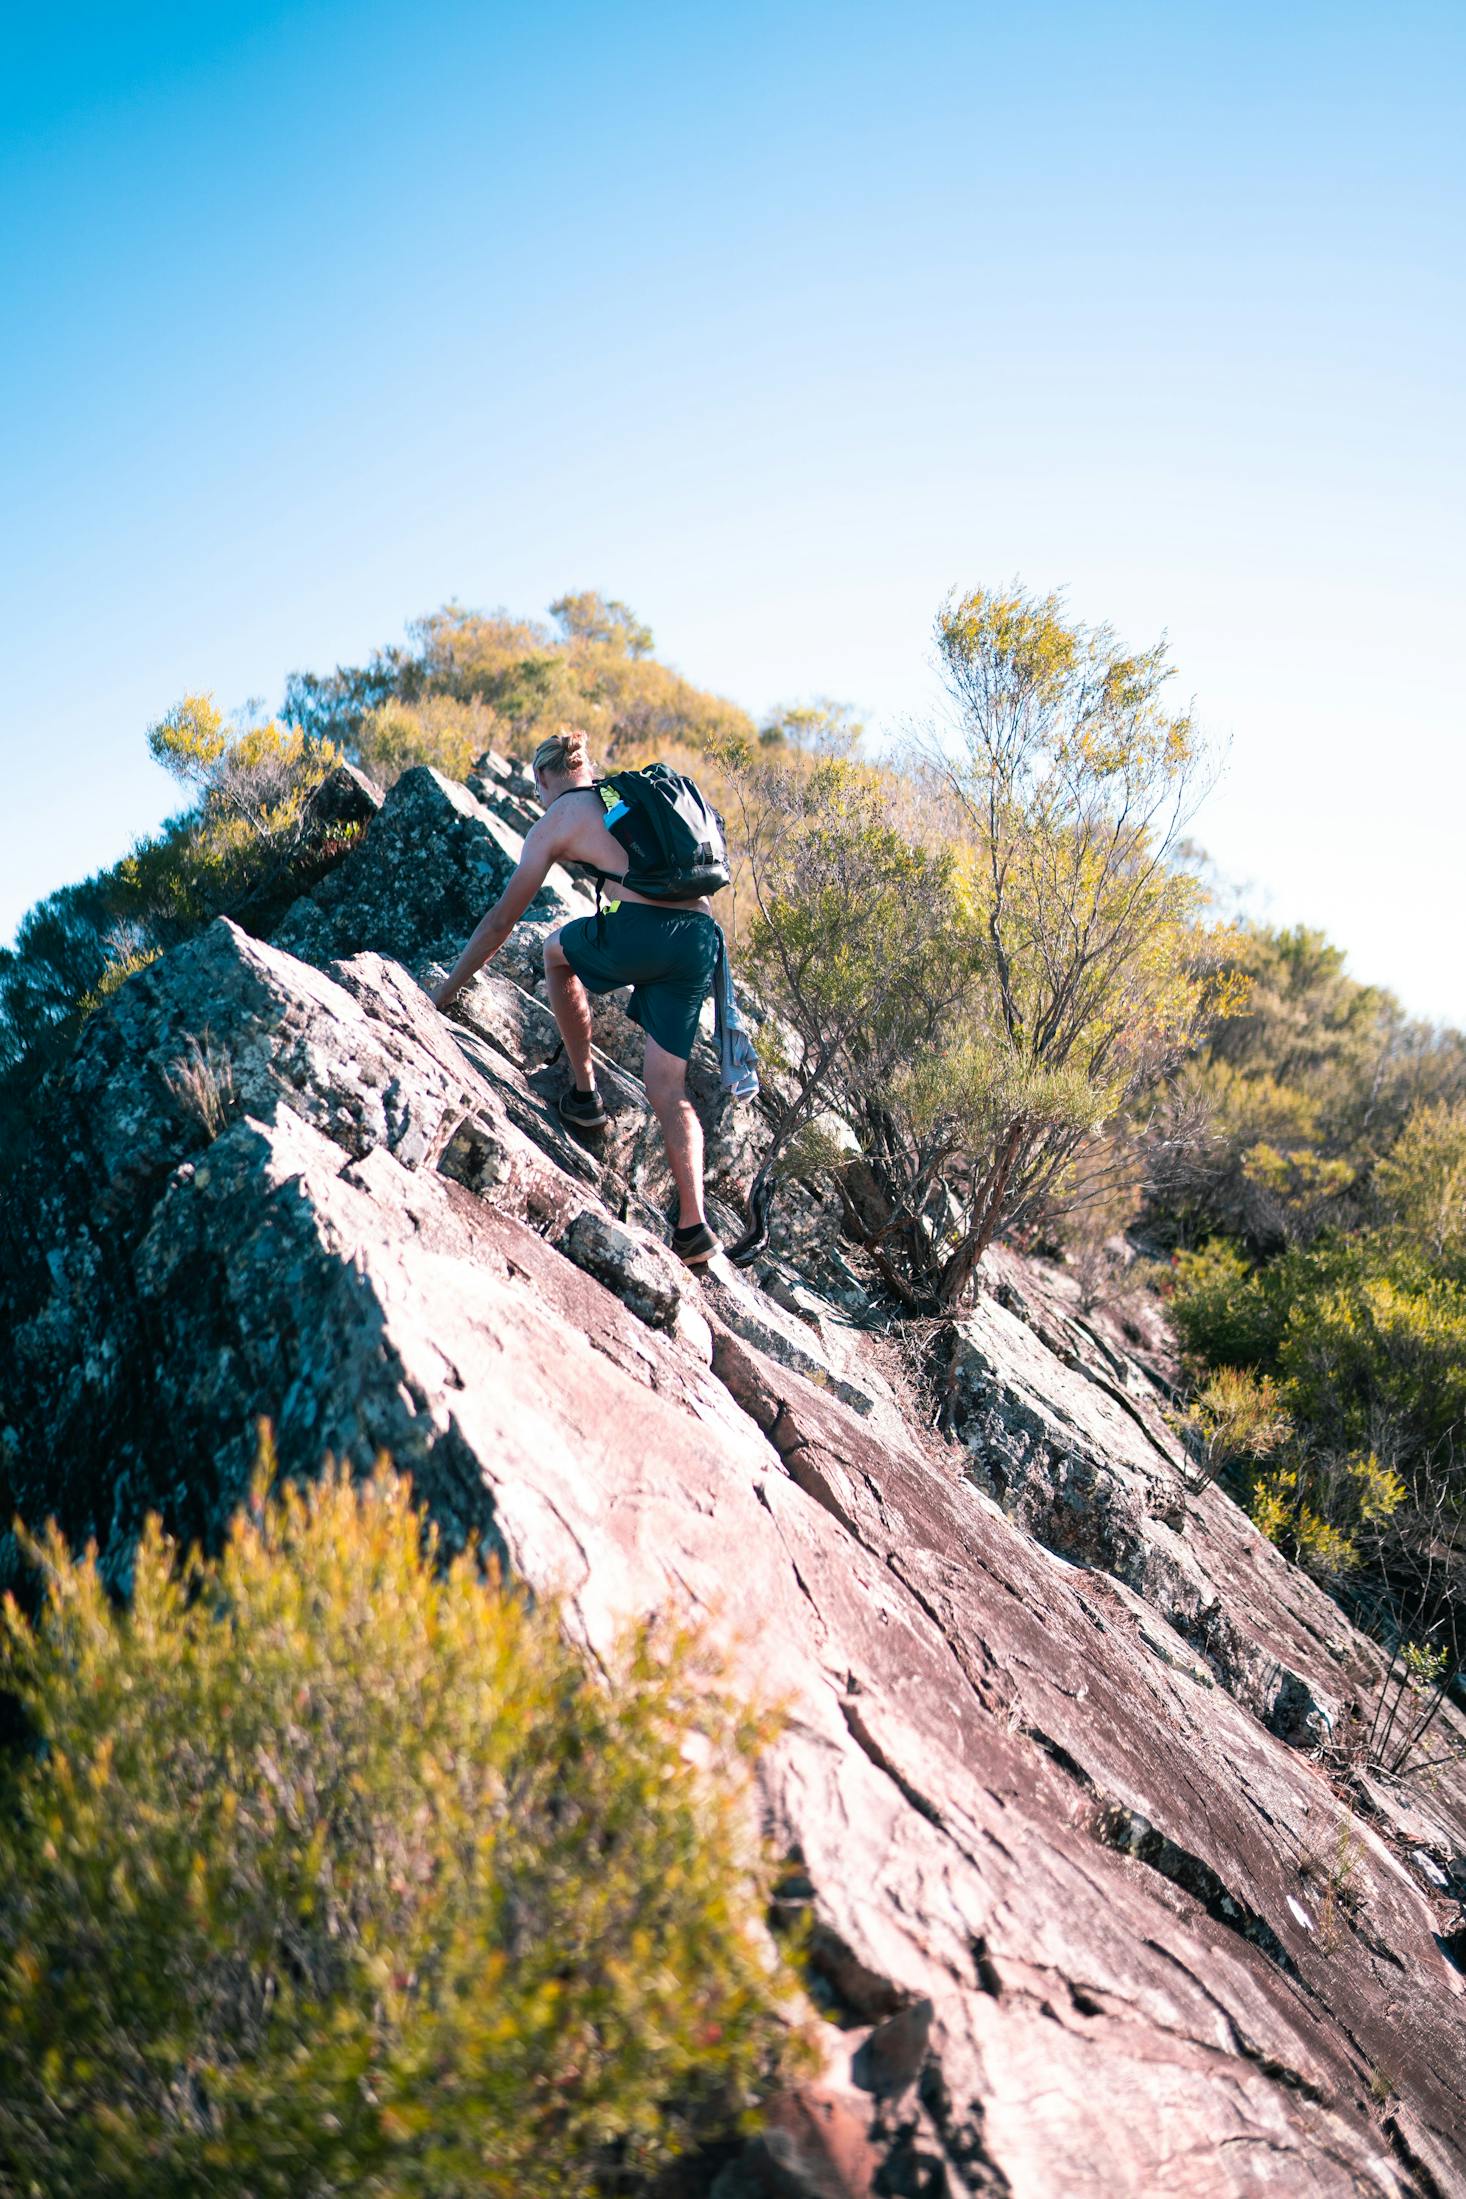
346, 796
641, 1273
432, 861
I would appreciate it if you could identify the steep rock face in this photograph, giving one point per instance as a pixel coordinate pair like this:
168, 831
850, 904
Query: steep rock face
1079, 1452
1088, 1915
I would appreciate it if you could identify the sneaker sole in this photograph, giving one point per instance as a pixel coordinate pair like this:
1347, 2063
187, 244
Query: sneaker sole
591, 1129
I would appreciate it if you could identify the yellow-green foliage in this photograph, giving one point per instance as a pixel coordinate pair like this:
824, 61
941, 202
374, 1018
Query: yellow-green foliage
851, 918
822, 728
585, 615
337, 1871
1374, 1356
1065, 783
1224, 1309
988, 968
1048, 691
1363, 1347
1421, 1182
247, 825
190, 741
1332, 1155
253, 782
596, 672
642, 710
1285, 1518
1296, 1178
1365, 1340
117, 973
439, 730
1315, 1512
1319, 1070
512, 665
978, 1085
1265, 1169
1255, 1109
1235, 1415
1426, 1663
850, 935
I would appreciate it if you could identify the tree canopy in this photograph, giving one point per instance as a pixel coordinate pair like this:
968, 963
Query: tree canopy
491, 679
1037, 960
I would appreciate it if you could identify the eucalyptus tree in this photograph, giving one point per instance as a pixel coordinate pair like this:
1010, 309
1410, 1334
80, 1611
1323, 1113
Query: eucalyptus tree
988, 958
1066, 782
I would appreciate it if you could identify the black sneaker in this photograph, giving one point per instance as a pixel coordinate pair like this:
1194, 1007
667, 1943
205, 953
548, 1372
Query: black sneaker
583, 1110
696, 1244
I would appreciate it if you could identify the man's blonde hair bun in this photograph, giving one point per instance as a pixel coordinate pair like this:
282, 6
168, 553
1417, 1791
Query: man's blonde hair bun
564, 753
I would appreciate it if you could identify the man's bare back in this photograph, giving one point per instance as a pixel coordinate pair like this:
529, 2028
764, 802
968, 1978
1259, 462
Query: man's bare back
574, 831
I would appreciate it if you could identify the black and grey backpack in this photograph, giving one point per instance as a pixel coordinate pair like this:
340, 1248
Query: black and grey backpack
673, 836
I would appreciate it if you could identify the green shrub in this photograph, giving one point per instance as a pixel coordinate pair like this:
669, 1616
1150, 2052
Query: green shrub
597, 672
1223, 1308
1373, 1358
337, 1870
1363, 1350
253, 781
1421, 1183
1316, 1511
1283, 1114
441, 731
1234, 1415
127, 964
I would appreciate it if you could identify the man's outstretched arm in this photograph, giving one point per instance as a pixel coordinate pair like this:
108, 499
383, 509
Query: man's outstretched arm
529, 875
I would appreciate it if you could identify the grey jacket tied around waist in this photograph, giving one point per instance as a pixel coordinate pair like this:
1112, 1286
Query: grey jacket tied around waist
737, 1058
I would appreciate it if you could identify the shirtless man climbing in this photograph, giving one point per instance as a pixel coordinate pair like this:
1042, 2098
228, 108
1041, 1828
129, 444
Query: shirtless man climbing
666, 950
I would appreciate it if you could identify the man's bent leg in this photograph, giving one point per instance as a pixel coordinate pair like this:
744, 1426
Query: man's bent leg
665, 1077
570, 1006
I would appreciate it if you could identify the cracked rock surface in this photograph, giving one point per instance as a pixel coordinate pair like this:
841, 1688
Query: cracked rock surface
1051, 1786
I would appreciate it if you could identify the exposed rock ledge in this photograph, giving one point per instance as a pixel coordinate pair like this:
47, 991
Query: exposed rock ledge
1050, 1783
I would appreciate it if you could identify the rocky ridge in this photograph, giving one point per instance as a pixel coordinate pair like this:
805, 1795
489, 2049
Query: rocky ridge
1094, 1910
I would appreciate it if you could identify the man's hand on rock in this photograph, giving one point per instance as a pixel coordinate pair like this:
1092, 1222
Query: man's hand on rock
444, 993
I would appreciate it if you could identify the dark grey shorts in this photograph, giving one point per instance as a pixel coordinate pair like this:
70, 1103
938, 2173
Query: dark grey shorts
667, 956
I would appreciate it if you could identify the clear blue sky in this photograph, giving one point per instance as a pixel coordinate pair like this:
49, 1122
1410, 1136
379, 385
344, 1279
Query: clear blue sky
777, 322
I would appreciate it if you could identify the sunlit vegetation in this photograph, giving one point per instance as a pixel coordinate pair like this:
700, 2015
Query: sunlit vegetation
1359, 1332
467, 682
1315, 1194
1295, 1099
331, 1868
988, 958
